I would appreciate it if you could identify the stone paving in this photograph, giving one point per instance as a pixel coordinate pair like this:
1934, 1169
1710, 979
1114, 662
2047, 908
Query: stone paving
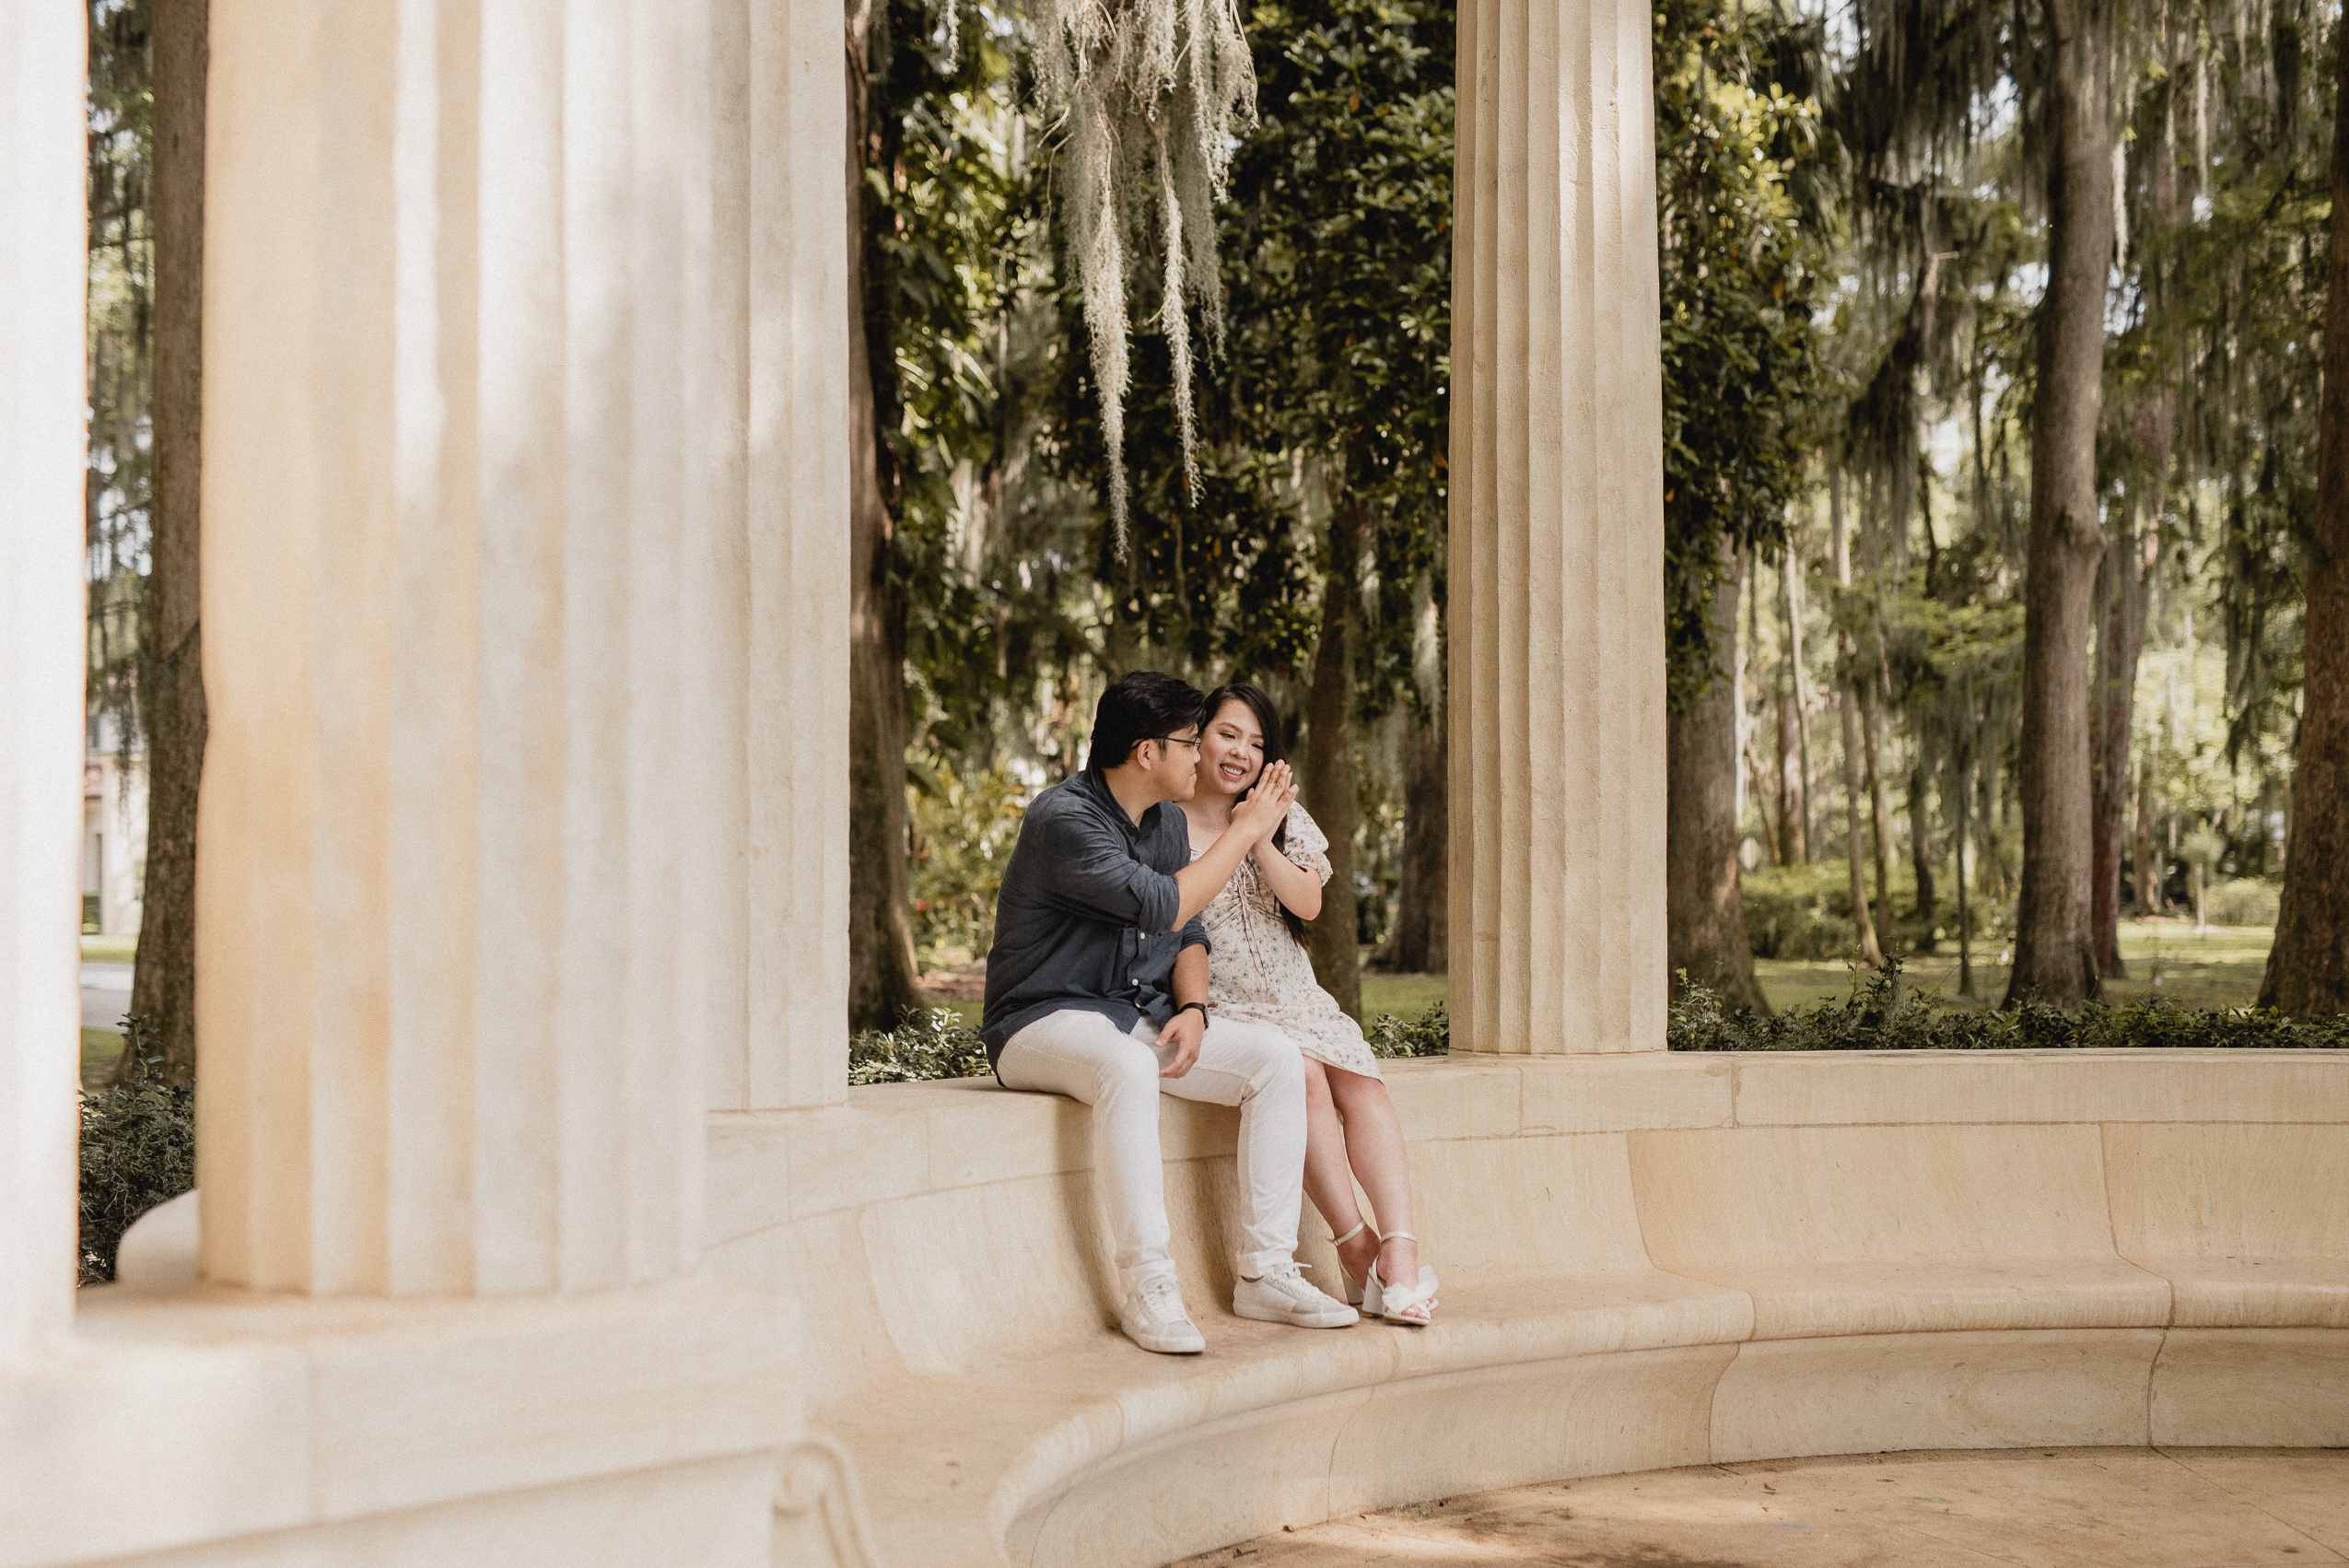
2028, 1508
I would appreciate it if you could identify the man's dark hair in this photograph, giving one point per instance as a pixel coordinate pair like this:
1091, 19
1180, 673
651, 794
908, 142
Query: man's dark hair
1141, 707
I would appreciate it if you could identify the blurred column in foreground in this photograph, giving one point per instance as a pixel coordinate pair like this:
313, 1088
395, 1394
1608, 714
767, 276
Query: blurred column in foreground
43, 55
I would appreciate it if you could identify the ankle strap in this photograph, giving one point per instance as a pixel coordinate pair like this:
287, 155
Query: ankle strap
1397, 1235
1340, 1241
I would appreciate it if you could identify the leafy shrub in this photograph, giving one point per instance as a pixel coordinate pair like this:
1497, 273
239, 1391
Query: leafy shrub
964, 830
1428, 1034
2244, 901
1881, 1014
929, 1042
1804, 913
137, 1150
934, 1042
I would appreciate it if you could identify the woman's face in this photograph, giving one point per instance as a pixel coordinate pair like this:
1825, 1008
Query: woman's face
1231, 750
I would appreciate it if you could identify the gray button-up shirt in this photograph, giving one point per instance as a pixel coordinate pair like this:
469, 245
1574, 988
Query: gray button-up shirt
1086, 915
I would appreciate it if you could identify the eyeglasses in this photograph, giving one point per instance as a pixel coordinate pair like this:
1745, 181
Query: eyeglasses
1177, 740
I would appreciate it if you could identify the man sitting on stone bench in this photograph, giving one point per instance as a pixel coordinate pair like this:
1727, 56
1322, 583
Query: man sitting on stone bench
1096, 988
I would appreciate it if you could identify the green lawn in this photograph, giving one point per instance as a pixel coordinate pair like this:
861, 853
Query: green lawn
110, 949
2220, 967
100, 1048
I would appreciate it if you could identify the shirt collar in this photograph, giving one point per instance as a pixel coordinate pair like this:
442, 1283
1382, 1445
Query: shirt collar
1096, 789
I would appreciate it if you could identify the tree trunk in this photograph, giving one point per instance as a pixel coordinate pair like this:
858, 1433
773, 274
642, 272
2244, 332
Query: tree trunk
1879, 827
1965, 895
1329, 764
1704, 912
172, 676
1840, 548
2142, 848
2054, 947
883, 979
1790, 812
1863, 925
2120, 637
1920, 849
2308, 969
1791, 571
1420, 944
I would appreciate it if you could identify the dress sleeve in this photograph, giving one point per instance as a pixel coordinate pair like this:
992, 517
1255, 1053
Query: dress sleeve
1305, 845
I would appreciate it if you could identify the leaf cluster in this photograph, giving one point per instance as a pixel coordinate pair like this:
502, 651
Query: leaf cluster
1883, 1015
137, 1148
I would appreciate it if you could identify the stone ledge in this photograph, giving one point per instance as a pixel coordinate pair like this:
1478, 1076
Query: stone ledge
178, 1419
1645, 1263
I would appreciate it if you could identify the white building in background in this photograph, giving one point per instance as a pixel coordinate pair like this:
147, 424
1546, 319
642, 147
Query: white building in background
114, 830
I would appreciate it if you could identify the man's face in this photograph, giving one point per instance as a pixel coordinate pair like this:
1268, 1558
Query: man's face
1174, 764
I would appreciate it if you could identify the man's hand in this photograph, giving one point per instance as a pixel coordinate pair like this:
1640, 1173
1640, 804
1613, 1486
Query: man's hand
1183, 1032
1267, 806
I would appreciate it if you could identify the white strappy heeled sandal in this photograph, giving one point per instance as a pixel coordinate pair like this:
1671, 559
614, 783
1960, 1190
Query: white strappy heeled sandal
1353, 1291
1395, 1304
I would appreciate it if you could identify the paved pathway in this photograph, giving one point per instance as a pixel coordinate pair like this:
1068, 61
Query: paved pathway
2028, 1508
106, 994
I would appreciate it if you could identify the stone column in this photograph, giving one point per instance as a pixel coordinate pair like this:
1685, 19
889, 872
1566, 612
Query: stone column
43, 50
783, 253
489, 409
1556, 557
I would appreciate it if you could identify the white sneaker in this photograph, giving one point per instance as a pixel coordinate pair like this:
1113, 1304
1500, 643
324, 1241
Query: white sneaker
1155, 1320
1282, 1296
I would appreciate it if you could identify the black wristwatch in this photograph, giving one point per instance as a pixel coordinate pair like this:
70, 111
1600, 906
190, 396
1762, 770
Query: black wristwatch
1186, 1007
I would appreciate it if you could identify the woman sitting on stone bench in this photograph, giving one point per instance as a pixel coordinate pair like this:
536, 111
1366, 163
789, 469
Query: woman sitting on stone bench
1259, 971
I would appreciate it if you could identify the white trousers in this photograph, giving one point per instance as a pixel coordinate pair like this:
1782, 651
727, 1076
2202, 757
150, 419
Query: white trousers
1086, 1057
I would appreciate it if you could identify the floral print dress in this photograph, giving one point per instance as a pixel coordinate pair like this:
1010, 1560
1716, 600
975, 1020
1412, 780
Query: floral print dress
1258, 971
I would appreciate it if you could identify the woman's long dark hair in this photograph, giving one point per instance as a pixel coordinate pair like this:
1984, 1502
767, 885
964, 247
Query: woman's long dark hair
1268, 721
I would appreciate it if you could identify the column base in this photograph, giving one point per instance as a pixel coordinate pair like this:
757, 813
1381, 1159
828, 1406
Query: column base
212, 1426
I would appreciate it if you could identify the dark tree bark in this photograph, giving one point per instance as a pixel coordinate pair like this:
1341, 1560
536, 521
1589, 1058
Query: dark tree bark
1879, 822
2121, 638
2308, 969
1958, 820
1798, 679
1329, 764
2054, 945
1420, 943
1920, 849
883, 979
163, 982
1705, 910
1847, 700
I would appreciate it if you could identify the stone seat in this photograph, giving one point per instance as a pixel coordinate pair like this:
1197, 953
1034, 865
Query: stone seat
1646, 1262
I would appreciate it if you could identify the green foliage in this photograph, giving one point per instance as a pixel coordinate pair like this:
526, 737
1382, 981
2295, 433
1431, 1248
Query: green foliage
2242, 901
928, 1044
121, 351
963, 832
1803, 912
137, 1150
937, 1044
1881, 1014
1744, 262
1428, 1034
1331, 399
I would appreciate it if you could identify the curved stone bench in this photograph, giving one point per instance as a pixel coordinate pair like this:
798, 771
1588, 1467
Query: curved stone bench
1648, 1261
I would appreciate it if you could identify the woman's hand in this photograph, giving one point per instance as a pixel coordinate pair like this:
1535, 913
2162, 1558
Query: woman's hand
1266, 807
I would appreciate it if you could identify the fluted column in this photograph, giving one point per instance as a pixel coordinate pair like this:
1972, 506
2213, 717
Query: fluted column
785, 251
1556, 557
43, 48
487, 567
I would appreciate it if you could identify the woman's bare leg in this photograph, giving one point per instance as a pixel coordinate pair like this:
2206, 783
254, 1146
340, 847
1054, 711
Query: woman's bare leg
1328, 1181
1376, 1151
